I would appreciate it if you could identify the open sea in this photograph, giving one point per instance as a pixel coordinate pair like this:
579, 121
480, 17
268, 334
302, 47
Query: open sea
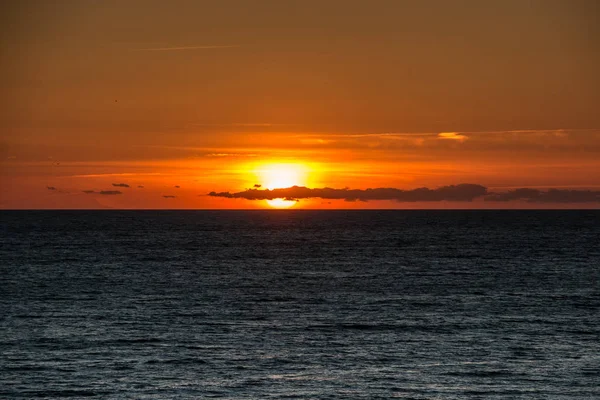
300, 304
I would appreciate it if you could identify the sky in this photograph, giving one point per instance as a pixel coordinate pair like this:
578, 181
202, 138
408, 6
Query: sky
216, 104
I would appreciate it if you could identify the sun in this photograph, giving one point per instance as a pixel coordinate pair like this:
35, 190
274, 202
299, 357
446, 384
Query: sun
281, 203
281, 175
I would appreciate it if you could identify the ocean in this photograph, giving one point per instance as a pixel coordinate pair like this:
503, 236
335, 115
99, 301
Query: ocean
300, 304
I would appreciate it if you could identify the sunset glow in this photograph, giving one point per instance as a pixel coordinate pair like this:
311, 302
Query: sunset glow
205, 97
282, 175
280, 203
251, 199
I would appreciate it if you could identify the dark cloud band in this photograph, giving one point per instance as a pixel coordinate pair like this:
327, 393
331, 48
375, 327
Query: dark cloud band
548, 196
460, 193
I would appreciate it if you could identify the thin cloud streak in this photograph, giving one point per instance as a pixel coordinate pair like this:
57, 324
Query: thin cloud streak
118, 174
452, 136
186, 48
248, 124
437, 134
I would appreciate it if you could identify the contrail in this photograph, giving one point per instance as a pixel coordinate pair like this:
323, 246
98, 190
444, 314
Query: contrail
185, 48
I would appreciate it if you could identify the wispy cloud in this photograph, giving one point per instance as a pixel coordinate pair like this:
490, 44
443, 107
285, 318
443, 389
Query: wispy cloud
248, 124
452, 136
315, 141
118, 174
390, 135
175, 48
230, 155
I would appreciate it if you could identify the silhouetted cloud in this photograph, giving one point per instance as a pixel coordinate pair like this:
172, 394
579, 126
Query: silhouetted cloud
462, 192
140, 186
548, 196
120, 185
257, 186
50, 188
176, 186
167, 196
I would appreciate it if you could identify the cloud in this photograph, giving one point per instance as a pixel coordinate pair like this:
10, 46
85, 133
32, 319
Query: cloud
315, 141
234, 124
140, 186
120, 185
118, 174
462, 192
230, 155
176, 186
50, 187
452, 136
103, 192
556, 141
548, 196
175, 48
169, 196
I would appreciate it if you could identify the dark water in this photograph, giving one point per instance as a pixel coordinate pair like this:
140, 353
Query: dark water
300, 304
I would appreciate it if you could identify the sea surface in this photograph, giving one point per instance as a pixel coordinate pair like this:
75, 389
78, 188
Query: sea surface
300, 304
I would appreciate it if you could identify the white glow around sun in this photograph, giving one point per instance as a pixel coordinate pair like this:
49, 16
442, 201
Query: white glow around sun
281, 175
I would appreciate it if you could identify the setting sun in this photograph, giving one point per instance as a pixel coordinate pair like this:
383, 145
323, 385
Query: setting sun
307, 199
281, 175
281, 203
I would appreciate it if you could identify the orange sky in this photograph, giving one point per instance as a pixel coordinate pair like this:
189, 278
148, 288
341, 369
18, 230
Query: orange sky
215, 96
